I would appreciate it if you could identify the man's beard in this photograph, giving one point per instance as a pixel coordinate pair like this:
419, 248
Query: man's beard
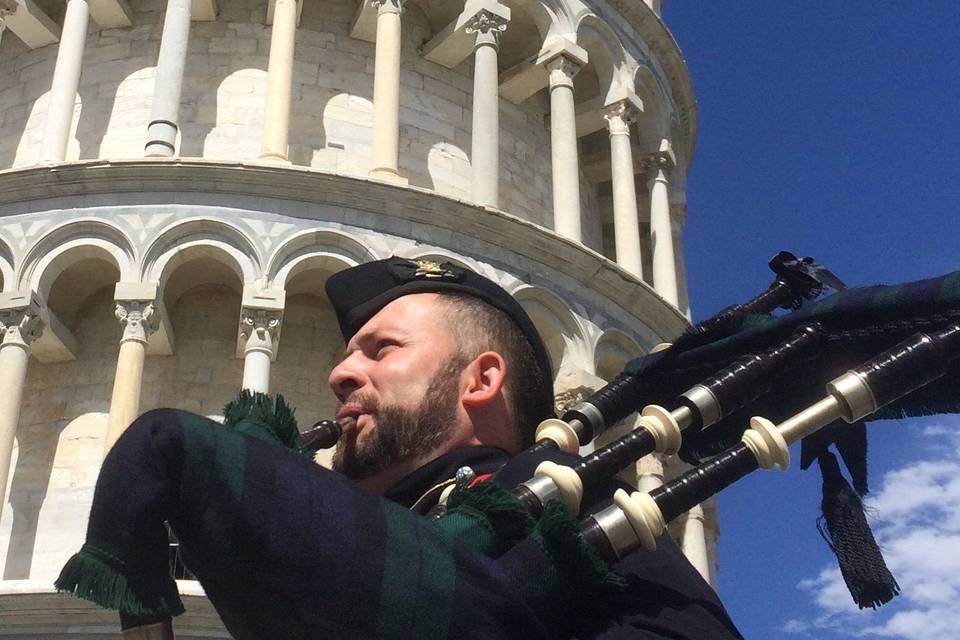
401, 433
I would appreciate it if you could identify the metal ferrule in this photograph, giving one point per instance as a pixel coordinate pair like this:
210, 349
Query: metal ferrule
617, 528
852, 390
705, 403
595, 421
542, 487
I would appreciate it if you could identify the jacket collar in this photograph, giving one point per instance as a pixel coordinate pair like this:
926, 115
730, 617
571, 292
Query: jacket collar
420, 489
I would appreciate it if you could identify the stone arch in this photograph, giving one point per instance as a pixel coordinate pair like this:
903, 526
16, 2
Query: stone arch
562, 333
201, 284
527, 19
316, 249
81, 272
654, 123
71, 242
226, 244
220, 266
613, 350
606, 55
6, 266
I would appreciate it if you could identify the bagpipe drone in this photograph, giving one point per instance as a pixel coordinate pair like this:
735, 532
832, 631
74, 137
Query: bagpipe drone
729, 396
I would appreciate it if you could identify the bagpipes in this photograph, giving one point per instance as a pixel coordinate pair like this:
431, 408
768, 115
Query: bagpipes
246, 511
724, 373
873, 353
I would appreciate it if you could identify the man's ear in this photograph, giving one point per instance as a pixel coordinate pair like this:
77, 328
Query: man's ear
486, 375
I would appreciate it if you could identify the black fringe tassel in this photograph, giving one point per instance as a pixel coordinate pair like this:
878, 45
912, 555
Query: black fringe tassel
844, 526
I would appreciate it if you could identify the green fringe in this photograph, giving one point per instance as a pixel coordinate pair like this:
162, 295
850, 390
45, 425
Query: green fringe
95, 575
487, 517
257, 414
582, 569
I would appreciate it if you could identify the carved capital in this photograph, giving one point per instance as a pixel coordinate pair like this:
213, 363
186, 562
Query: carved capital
619, 116
20, 325
7, 8
139, 318
562, 69
388, 6
658, 165
260, 327
487, 25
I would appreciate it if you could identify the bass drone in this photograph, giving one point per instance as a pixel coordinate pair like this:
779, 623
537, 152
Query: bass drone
248, 512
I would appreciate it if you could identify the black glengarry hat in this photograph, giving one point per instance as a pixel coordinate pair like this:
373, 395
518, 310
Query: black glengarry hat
358, 293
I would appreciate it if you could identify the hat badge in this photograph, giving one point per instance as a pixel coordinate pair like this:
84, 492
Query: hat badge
431, 269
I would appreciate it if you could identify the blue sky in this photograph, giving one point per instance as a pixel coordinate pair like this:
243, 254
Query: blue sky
830, 129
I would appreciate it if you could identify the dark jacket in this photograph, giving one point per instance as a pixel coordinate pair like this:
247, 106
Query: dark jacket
665, 598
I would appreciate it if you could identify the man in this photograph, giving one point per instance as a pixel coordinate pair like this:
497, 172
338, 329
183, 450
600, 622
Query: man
444, 369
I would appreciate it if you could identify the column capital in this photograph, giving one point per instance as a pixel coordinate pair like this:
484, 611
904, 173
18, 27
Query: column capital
619, 116
487, 25
20, 322
260, 328
139, 319
659, 163
561, 70
388, 6
7, 8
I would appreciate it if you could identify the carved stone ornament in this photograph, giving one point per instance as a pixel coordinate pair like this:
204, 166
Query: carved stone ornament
619, 117
486, 23
7, 8
21, 326
562, 69
260, 325
138, 317
656, 162
388, 6
569, 398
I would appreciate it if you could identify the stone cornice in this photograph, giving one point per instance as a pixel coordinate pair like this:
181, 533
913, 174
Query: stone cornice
171, 179
663, 45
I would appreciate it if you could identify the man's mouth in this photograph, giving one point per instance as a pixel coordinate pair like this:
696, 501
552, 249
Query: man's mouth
350, 416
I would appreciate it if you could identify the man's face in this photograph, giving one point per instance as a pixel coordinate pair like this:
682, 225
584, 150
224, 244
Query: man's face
399, 385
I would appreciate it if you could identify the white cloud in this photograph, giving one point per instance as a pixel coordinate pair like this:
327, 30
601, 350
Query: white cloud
916, 517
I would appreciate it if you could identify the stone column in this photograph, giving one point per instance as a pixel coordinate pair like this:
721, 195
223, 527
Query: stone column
485, 141
649, 473
163, 127
626, 226
694, 542
563, 148
276, 117
19, 326
259, 328
386, 92
66, 81
139, 318
661, 227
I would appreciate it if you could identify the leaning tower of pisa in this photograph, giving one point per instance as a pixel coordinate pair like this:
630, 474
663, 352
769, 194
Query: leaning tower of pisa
178, 178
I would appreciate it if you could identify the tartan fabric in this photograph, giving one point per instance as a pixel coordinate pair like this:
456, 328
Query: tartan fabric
284, 548
857, 325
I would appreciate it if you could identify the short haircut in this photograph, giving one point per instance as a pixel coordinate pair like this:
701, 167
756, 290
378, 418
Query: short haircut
478, 327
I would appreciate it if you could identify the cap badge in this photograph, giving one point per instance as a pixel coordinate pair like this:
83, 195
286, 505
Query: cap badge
431, 269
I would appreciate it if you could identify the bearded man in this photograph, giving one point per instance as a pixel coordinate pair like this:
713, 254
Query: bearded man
444, 375
444, 372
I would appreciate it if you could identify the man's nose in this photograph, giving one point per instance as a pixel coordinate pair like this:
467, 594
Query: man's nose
346, 377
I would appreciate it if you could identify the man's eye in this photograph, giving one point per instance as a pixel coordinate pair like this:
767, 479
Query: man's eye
385, 346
